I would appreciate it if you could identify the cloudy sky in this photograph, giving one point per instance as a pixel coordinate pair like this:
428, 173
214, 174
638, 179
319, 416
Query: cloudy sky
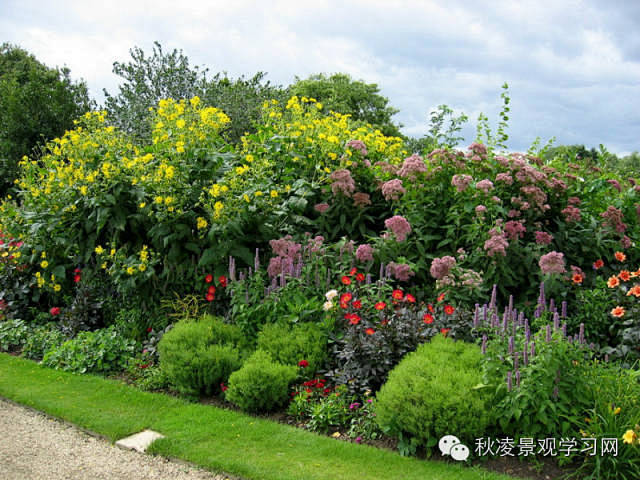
573, 67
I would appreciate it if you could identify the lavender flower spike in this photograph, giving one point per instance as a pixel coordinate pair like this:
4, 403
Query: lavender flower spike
533, 350
564, 309
511, 345
256, 260
548, 334
556, 321
525, 354
484, 344
542, 302
476, 315
518, 378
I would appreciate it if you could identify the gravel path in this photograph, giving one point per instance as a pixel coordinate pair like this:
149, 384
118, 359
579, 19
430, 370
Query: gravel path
36, 447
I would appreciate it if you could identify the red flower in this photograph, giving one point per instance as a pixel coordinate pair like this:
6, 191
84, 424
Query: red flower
430, 307
369, 331
598, 264
621, 257
353, 318
380, 306
445, 331
327, 391
346, 280
144, 365
360, 277
344, 305
410, 298
577, 278
624, 275
303, 363
448, 309
223, 387
397, 295
357, 304
149, 330
210, 297
76, 278
440, 297
77, 270
208, 278
222, 280
345, 297
427, 318
353, 271
211, 289
54, 311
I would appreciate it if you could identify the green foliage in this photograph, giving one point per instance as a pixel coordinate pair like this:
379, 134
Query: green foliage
261, 385
289, 344
437, 137
42, 339
431, 393
37, 103
340, 93
101, 352
145, 81
198, 356
591, 311
13, 335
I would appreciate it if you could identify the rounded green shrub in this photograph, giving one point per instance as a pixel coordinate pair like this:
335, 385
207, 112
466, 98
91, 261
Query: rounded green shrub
198, 356
431, 394
262, 384
290, 344
41, 340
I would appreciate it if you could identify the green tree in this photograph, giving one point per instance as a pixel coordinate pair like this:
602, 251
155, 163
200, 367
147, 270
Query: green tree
341, 93
146, 80
37, 103
438, 137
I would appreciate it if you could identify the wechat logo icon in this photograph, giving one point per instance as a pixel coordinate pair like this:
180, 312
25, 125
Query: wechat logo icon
450, 445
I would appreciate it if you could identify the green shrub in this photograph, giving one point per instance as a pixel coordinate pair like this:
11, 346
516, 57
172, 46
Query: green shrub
103, 351
262, 384
199, 356
290, 344
431, 394
13, 334
42, 339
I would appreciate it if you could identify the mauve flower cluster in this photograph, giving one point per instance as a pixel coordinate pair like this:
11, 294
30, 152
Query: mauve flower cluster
321, 207
386, 167
485, 185
412, 165
504, 177
440, 267
613, 218
288, 253
552, 262
497, 242
481, 210
342, 183
536, 195
400, 271
364, 253
358, 145
463, 277
615, 184
461, 182
574, 201
392, 189
399, 226
514, 229
361, 199
543, 238
571, 214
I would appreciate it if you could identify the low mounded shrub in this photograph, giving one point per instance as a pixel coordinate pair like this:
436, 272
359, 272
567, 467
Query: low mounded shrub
198, 356
431, 394
102, 351
262, 384
42, 339
290, 344
13, 335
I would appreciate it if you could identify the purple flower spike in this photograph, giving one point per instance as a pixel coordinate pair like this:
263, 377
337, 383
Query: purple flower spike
555, 392
511, 345
581, 334
556, 321
484, 344
538, 312
381, 276
541, 298
368, 279
564, 330
533, 350
592, 346
552, 305
564, 309
505, 318
516, 360
509, 384
484, 314
525, 354
476, 314
256, 260
246, 295
518, 378
548, 335
510, 307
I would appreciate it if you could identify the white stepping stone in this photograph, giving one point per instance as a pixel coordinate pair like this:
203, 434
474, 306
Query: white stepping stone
139, 441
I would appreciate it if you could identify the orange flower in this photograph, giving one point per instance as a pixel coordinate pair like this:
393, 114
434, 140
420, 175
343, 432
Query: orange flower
369, 331
410, 298
427, 318
618, 312
380, 306
448, 309
397, 295
613, 282
440, 297
353, 271
635, 291
445, 331
635, 274
598, 264
621, 257
346, 280
577, 278
624, 275
346, 297
430, 307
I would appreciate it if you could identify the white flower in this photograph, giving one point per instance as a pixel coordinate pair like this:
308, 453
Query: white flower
328, 305
331, 294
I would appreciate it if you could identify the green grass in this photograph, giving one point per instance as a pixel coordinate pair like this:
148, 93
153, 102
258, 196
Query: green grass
214, 438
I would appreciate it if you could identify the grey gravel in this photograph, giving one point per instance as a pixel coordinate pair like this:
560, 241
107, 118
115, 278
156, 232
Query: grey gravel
36, 447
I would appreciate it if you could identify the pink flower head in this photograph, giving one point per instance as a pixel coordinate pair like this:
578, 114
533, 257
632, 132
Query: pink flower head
514, 229
572, 214
543, 238
504, 177
361, 199
615, 184
481, 210
461, 182
440, 267
357, 145
485, 185
412, 165
400, 271
342, 183
552, 262
321, 207
364, 253
399, 226
393, 189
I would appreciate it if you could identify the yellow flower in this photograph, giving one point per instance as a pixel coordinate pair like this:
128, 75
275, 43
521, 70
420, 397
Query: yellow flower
112, 252
158, 199
43, 255
142, 205
629, 437
99, 250
180, 123
104, 265
249, 158
246, 198
131, 270
142, 267
84, 189
201, 223
273, 194
258, 193
617, 411
44, 264
168, 200
195, 101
